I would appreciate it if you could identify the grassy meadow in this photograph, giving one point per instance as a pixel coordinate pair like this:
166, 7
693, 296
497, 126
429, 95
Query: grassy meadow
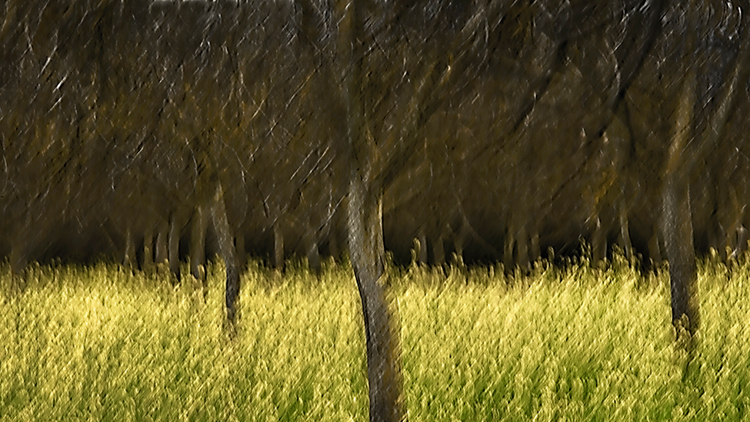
575, 343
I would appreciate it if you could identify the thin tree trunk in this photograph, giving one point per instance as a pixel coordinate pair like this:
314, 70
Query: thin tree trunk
148, 250
198, 244
438, 251
174, 248
598, 242
278, 246
535, 249
19, 258
162, 245
128, 257
510, 244
239, 243
312, 251
654, 249
624, 239
333, 246
459, 241
368, 261
228, 254
422, 252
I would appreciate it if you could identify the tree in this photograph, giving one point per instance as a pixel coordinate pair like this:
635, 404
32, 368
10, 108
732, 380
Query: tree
386, 107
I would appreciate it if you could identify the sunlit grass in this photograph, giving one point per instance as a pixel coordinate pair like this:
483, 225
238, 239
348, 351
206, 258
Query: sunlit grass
103, 343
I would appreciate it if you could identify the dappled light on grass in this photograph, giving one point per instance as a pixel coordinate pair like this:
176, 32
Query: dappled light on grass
102, 343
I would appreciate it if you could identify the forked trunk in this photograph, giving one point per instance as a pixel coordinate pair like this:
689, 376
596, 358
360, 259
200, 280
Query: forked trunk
368, 261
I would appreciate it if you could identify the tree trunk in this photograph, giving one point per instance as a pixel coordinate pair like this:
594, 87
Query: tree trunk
677, 219
19, 258
198, 244
535, 249
239, 243
438, 251
598, 241
312, 251
654, 249
422, 251
174, 248
162, 246
333, 246
148, 250
367, 255
228, 254
278, 246
624, 238
680, 252
365, 225
129, 255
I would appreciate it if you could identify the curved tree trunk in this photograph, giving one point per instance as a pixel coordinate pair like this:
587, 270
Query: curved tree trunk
365, 227
367, 255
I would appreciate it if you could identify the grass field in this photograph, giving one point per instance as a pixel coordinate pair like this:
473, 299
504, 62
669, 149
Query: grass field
101, 343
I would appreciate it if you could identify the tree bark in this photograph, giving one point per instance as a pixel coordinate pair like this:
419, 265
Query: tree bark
311, 249
227, 252
148, 250
198, 244
677, 219
174, 248
678, 242
239, 243
422, 252
129, 255
278, 246
367, 255
438, 251
161, 247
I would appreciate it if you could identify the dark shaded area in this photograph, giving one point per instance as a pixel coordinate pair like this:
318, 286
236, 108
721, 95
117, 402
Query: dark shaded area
552, 126
117, 118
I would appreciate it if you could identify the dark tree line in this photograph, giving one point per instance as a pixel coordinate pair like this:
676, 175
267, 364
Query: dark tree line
154, 132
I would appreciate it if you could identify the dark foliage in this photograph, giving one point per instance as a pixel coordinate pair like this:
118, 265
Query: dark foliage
501, 128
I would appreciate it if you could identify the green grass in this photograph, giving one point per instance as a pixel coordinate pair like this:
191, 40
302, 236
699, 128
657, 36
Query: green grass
101, 343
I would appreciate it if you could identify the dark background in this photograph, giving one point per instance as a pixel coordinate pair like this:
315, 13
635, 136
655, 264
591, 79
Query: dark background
118, 119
